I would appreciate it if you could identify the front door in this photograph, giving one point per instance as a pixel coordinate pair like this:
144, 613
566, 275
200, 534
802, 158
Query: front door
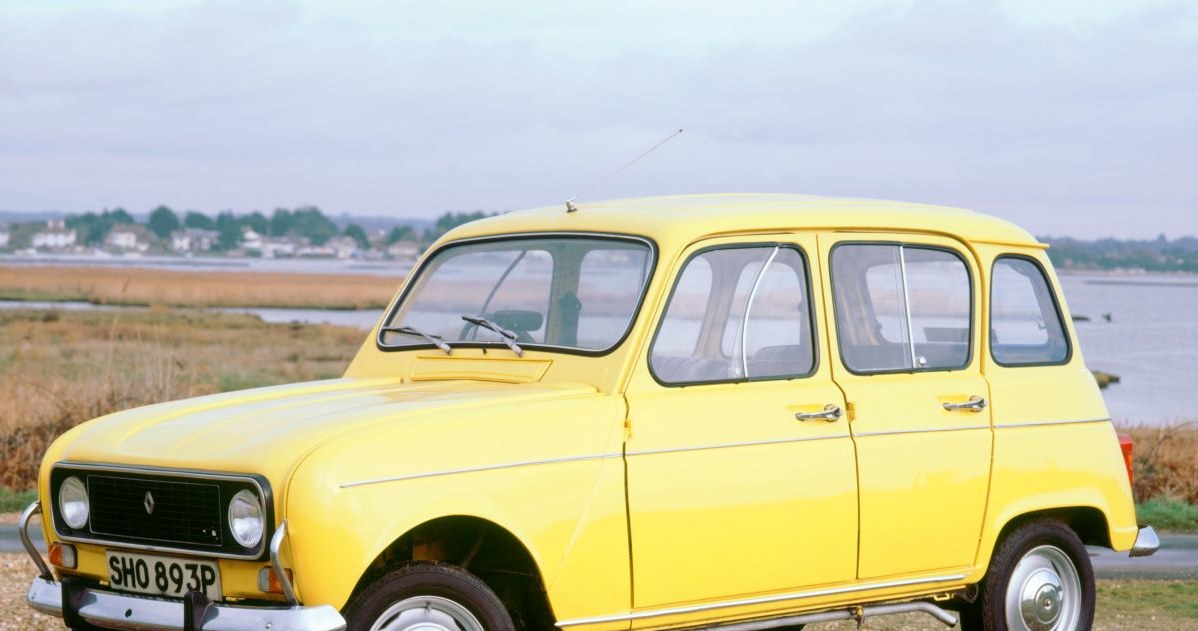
741, 476
904, 316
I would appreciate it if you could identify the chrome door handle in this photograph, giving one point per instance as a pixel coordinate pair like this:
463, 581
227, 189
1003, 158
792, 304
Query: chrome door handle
831, 413
974, 404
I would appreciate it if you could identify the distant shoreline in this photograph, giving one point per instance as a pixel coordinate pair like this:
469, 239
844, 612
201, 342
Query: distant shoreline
1121, 273
1143, 283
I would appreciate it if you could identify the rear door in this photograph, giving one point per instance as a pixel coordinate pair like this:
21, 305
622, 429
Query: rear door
903, 314
735, 504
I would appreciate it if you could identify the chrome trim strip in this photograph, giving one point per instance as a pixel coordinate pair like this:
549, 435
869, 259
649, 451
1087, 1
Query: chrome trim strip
666, 450
638, 615
508, 465
744, 323
779, 441
23, 529
529, 463
276, 544
1040, 423
921, 431
170, 473
113, 610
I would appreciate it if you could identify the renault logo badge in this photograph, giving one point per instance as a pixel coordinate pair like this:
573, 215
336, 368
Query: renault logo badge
149, 503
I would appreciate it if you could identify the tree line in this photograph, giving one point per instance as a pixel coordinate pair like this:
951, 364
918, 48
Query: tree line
305, 222
1154, 255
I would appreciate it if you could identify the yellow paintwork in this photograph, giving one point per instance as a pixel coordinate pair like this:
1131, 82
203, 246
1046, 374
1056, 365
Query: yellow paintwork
537, 445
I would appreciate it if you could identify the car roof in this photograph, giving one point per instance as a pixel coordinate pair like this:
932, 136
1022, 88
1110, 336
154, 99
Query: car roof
687, 218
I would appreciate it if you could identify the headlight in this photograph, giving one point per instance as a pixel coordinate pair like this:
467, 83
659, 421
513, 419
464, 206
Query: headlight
72, 503
245, 518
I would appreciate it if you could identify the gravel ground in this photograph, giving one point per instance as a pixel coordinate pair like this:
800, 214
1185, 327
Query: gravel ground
9, 518
16, 571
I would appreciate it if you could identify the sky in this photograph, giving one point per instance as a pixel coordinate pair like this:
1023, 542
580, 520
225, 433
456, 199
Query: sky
1071, 117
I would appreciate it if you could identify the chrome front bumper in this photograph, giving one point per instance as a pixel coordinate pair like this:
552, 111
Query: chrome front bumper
1147, 543
135, 613
111, 610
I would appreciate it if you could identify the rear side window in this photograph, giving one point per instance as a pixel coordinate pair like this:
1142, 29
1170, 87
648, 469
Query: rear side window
1025, 322
736, 314
901, 307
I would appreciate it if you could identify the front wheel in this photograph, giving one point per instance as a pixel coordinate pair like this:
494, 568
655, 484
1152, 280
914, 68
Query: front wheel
1039, 580
428, 597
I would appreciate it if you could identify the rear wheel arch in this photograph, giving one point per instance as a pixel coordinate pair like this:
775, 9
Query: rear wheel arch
478, 546
1039, 577
1089, 522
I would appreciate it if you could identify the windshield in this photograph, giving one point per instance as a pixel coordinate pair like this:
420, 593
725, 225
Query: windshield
560, 291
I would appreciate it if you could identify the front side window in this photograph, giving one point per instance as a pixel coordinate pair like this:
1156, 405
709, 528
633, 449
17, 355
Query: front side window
736, 314
576, 293
1025, 324
901, 307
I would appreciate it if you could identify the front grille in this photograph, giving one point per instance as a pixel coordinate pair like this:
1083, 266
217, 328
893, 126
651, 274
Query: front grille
185, 511
166, 511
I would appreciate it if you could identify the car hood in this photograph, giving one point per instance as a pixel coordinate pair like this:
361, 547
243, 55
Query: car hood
268, 431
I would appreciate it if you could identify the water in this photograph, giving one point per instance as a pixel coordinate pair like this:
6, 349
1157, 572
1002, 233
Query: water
363, 318
1151, 342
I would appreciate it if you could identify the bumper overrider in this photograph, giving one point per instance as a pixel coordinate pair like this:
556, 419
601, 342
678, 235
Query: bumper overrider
1147, 543
79, 603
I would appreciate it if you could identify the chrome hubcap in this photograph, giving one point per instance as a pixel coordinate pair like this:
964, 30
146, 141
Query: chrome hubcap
1044, 593
426, 613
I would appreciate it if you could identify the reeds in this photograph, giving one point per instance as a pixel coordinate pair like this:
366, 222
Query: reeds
142, 286
58, 369
1165, 461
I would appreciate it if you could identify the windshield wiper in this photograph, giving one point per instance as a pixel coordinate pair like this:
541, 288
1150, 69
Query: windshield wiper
435, 340
505, 336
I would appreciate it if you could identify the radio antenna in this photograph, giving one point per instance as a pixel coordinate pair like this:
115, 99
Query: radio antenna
571, 207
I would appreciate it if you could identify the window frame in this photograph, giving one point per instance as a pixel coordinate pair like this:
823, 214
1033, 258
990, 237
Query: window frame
812, 318
1056, 305
413, 280
973, 310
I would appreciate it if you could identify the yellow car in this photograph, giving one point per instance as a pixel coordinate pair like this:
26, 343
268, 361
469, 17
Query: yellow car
724, 411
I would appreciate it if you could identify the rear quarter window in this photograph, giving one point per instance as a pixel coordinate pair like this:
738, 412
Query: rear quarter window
1026, 326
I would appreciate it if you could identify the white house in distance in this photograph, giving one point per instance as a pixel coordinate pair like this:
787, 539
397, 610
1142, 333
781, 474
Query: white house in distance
194, 240
5, 235
250, 241
127, 238
54, 237
343, 247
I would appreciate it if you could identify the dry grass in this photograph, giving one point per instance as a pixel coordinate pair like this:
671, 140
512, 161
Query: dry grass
1165, 461
58, 369
139, 286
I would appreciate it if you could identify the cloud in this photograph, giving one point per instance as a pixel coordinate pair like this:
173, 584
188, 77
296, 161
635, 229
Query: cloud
1082, 122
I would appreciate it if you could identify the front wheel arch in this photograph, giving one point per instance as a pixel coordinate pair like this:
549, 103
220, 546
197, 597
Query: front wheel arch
432, 595
478, 546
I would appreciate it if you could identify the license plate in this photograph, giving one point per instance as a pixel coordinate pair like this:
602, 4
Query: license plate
163, 576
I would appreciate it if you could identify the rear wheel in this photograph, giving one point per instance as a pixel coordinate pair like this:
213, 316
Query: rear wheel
428, 597
1040, 579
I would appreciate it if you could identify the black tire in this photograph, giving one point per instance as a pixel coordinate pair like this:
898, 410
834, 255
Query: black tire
435, 582
1051, 549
